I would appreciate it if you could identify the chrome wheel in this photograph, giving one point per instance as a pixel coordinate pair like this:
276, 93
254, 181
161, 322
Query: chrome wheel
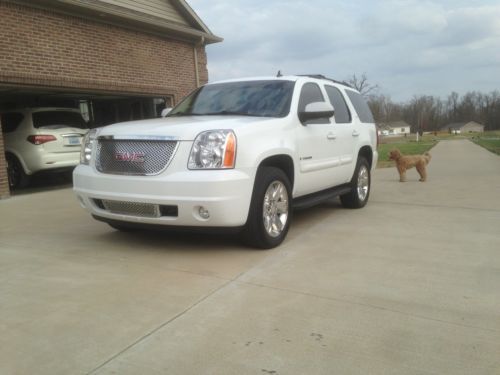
363, 185
275, 209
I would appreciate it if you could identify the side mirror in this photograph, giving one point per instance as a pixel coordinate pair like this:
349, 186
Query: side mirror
316, 110
165, 111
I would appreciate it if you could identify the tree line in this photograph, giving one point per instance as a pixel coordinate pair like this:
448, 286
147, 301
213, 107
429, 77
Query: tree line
430, 113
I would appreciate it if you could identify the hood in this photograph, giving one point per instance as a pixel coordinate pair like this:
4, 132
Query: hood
178, 128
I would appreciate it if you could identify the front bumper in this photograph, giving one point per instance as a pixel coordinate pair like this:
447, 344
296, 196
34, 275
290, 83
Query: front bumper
225, 194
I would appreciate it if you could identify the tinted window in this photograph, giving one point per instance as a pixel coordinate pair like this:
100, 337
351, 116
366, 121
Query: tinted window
311, 93
364, 113
342, 114
58, 119
250, 98
10, 121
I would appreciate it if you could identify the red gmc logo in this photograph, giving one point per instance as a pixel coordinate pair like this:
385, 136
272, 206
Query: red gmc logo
136, 157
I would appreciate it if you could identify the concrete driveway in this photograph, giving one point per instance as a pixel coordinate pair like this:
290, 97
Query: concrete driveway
408, 285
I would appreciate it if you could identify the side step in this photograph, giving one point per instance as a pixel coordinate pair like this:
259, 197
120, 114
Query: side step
314, 199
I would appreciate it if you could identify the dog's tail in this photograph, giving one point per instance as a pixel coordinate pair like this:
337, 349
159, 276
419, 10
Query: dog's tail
428, 157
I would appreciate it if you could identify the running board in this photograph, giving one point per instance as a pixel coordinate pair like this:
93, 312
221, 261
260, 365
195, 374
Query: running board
314, 199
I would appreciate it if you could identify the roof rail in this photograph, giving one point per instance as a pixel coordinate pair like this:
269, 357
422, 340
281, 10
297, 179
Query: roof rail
321, 76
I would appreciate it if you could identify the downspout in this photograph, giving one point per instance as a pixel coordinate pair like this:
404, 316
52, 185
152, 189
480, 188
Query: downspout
196, 68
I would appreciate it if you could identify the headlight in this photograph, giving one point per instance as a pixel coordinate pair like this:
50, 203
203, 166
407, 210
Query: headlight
214, 149
87, 145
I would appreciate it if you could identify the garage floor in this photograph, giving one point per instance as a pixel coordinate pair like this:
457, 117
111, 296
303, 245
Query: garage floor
407, 285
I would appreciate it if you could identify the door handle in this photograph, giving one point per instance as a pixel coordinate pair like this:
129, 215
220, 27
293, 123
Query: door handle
355, 133
331, 136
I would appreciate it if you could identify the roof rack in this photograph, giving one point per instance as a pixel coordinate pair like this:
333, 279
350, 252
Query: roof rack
321, 76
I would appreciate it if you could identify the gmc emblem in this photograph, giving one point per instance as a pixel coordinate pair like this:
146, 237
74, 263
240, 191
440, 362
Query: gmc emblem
135, 157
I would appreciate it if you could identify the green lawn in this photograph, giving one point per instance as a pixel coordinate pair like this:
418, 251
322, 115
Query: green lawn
491, 144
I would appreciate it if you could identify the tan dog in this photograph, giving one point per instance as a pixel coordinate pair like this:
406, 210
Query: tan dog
404, 162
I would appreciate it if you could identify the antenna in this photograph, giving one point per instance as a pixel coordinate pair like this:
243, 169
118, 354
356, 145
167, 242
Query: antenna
279, 74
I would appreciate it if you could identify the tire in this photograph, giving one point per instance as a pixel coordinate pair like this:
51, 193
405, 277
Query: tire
270, 211
360, 186
15, 172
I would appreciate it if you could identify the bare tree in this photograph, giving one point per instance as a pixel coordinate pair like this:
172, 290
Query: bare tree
429, 113
362, 85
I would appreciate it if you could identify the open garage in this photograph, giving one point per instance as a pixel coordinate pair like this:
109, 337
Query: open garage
108, 60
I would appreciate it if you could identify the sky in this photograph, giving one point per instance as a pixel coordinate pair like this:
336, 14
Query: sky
406, 47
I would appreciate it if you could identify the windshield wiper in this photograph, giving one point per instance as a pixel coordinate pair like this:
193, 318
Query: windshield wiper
229, 113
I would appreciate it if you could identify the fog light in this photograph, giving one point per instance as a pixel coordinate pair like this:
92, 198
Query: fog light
204, 214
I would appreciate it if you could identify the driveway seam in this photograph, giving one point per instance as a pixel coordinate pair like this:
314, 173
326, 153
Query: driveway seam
435, 206
367, 305
152, 332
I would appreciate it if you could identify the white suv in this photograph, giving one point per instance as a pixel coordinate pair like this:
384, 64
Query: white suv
41, 139
239, 153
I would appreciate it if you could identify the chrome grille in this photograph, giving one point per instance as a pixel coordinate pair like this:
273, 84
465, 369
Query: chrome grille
132, 208
134, 157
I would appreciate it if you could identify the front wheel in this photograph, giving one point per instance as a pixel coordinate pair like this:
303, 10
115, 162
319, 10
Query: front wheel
360, 186
270, 209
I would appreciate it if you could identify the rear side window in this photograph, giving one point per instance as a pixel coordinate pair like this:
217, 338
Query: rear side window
58, 119
311, 93
342, 113
364, 112
11, 121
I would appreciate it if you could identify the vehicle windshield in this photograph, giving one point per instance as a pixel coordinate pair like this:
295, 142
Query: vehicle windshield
58, 119
248, 98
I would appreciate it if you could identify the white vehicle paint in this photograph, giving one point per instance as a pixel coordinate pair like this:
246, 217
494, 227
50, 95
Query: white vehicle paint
41, 139
243, 154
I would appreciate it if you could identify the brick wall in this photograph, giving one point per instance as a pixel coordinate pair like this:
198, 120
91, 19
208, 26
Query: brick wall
45, 48
4, 183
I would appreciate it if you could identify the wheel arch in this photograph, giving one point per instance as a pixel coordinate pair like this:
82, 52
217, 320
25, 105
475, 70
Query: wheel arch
367, 153
283, 162
18, 158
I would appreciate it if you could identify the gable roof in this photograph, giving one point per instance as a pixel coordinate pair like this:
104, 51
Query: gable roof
459, 125
172, 18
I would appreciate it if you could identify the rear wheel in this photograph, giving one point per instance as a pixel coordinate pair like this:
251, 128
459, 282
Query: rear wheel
15, 171
270, 209
360, 186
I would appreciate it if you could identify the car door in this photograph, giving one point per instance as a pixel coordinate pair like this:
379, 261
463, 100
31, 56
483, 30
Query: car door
346, 134
318, 156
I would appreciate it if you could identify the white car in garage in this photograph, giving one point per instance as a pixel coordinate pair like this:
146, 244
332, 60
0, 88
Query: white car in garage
41, 139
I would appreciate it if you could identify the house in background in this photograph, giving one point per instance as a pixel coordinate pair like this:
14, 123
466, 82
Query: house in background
396, 128
463, 127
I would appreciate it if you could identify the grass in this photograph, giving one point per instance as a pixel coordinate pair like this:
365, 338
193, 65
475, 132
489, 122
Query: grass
490, 143
409, 145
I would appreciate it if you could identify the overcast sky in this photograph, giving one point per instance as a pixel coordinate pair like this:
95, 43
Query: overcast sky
407, 47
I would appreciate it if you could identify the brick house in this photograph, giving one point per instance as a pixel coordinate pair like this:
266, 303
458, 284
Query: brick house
116, 60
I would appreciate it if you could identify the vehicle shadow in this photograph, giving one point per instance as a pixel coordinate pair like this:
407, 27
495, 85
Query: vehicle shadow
45, 182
